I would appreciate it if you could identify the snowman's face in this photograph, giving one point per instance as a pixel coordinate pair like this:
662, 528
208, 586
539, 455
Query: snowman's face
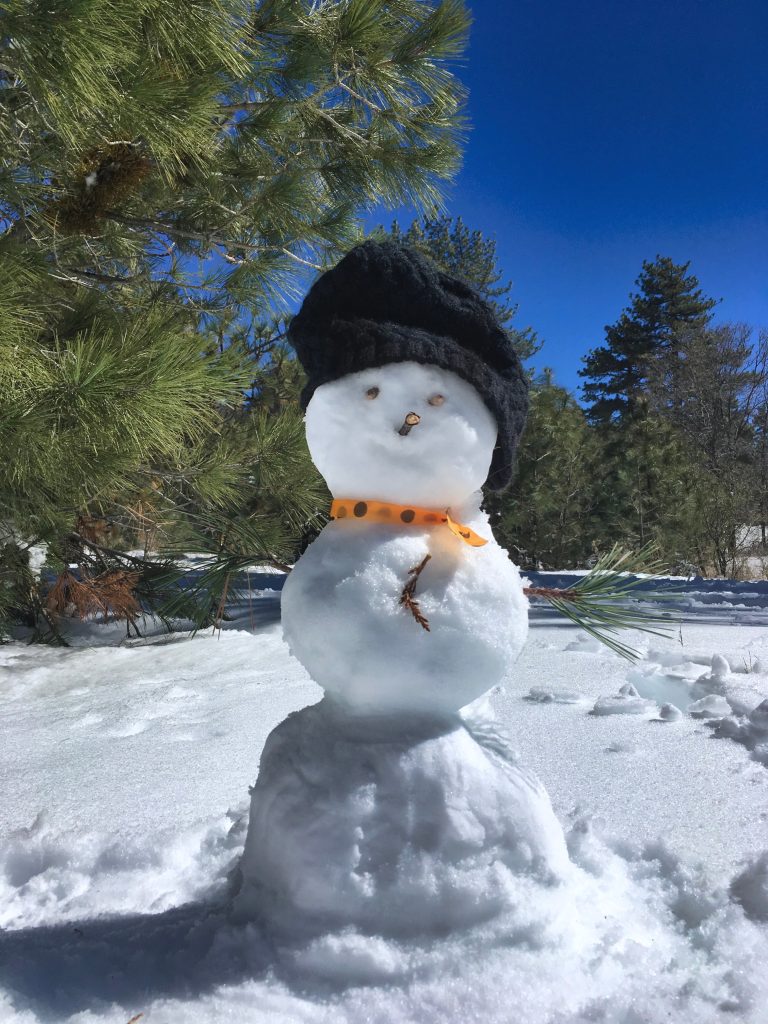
404, 433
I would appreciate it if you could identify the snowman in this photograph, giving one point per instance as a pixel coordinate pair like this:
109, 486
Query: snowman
386, 807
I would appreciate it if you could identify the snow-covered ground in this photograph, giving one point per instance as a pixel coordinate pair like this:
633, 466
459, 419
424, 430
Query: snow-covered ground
124, 775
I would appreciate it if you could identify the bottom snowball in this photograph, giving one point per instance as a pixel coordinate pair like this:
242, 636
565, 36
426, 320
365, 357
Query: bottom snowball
397, 827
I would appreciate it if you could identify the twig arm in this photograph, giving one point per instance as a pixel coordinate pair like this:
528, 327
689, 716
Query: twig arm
407, 600
550, 592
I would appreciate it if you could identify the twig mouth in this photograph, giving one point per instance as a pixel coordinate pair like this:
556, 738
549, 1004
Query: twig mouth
409, 422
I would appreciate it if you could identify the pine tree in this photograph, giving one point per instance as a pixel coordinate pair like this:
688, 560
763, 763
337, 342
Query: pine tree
712, 391
638, 480
171, 176
667, 303
143, 137
470, 256
545, 518
637, 475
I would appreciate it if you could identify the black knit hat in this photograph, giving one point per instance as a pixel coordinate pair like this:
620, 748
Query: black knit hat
386, 303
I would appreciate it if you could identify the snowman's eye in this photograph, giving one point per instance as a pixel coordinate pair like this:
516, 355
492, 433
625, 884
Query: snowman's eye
372, 393
436, 400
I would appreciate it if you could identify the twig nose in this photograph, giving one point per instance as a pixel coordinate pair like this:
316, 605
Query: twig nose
410, 421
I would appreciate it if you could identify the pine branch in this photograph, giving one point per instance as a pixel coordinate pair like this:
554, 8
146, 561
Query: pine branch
361, 99
90, 278
111, 592
172, 174
212, 239
598, 602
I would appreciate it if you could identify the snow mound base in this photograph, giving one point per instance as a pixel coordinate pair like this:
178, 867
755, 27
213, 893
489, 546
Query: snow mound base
397, 829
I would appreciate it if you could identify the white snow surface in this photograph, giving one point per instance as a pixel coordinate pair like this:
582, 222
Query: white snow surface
124, 779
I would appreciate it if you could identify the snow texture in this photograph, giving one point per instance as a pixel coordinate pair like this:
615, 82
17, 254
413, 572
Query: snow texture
343, 620
115, 900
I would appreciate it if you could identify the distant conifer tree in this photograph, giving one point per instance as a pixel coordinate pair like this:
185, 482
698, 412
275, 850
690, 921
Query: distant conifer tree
470, 255
545, 518
667, 303
638, 476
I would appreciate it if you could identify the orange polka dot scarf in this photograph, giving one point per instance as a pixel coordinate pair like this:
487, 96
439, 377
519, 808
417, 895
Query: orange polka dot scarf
403, 515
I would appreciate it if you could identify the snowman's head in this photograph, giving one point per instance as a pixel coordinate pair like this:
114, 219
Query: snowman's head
406, 433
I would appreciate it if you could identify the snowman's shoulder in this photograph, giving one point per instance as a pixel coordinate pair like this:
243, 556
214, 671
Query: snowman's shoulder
377, 555
471, 514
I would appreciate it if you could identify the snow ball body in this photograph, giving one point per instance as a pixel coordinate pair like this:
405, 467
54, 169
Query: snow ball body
342, 616
400, 830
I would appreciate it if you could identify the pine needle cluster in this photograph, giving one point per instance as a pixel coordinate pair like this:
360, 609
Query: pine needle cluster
604, 603
171, 177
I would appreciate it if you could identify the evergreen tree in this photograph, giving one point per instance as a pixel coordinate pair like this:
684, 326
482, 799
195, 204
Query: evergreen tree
638, 481
712, 391
545, 518
667, 303
470, 256
170, 176
638, 476
141, 138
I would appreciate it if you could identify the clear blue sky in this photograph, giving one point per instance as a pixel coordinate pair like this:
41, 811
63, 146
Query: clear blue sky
605, 132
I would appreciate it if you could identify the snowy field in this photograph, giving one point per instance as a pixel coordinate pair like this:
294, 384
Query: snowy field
124, 775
